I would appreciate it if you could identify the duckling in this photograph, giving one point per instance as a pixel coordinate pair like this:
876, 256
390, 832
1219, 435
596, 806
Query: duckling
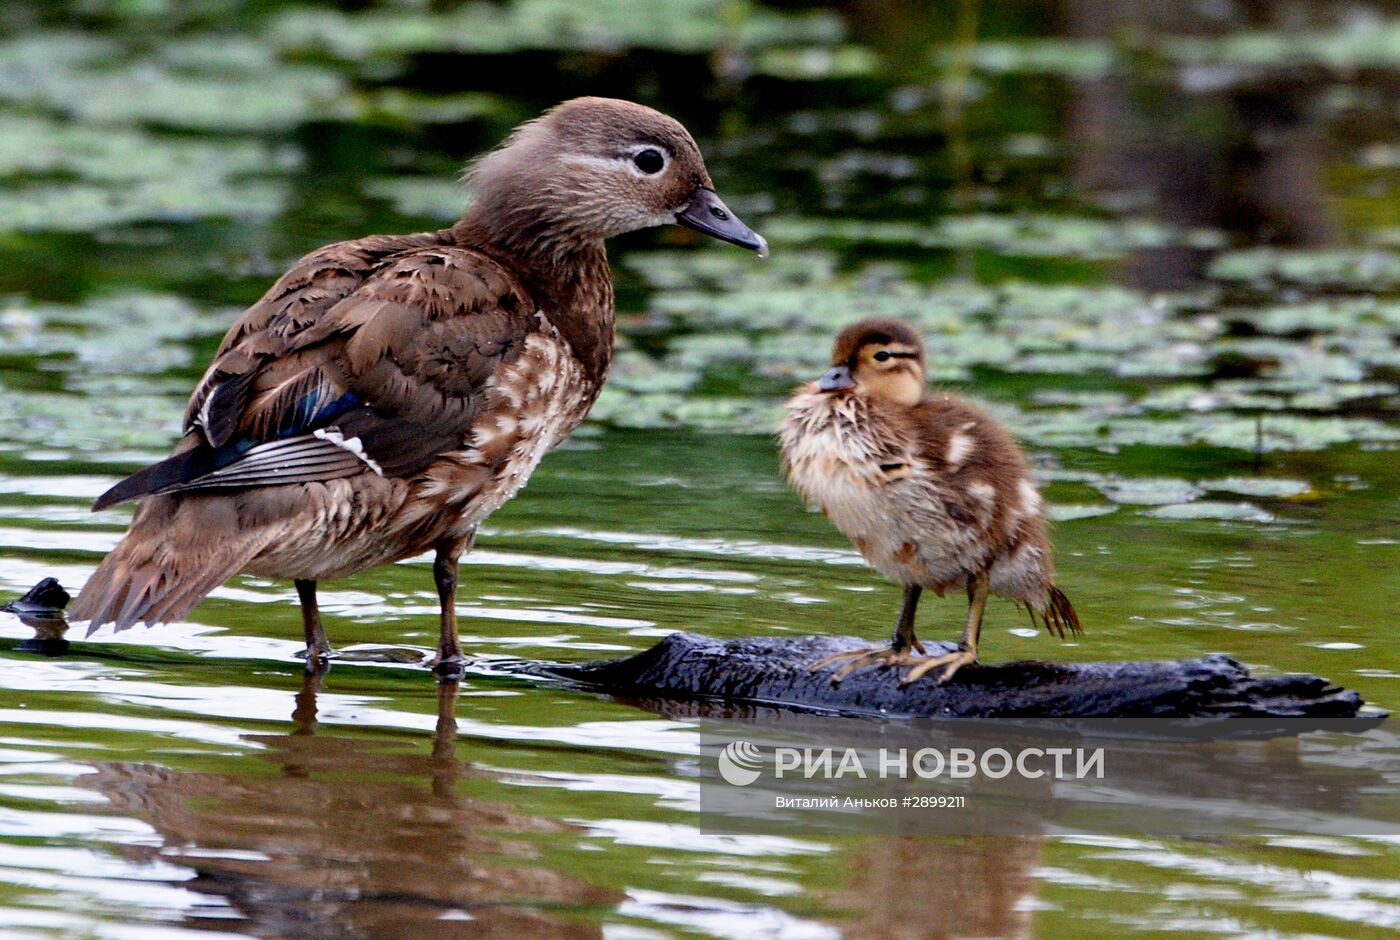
932, 491
388, 394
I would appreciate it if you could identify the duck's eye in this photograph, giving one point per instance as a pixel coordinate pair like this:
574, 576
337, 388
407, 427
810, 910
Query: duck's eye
649, 160
881, 356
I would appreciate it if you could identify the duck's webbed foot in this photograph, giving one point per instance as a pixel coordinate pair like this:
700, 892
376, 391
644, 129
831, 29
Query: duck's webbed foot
449, 667
318, 659
951, 663
883, 656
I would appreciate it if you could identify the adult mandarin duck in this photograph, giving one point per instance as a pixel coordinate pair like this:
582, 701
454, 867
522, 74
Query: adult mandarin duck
932, 491
388, 394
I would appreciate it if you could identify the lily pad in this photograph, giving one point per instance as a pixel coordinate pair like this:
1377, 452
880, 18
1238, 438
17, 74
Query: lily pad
442, 200
83, 207
1224, 512
1037, 235
33, 146
817, 62
118, 334
1065, 512
1264, 487
1357, 269
602, 26
1080, 59
157, 92
1147, 491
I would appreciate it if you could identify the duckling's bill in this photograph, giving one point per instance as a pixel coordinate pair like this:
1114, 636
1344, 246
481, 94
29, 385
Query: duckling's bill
707, 213
836, 379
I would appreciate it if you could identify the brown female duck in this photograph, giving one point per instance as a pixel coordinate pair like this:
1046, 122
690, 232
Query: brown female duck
930, 489
389, 393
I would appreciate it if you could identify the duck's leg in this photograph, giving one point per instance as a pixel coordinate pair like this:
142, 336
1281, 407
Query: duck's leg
966, 653
450, 661
902, 644
318, 648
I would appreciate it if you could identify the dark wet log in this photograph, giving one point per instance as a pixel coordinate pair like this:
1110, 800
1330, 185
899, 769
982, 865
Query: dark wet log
775, 671
42, 608
45, 599
689, 674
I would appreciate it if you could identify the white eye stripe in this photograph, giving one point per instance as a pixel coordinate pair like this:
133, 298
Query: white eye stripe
627, 159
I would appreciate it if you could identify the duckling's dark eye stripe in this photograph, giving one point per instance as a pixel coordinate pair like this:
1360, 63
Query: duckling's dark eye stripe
895, 355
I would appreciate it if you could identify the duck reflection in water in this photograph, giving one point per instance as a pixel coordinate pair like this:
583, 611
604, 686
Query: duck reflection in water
355, 837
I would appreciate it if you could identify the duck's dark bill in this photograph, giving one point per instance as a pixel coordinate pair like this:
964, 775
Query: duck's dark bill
707, 213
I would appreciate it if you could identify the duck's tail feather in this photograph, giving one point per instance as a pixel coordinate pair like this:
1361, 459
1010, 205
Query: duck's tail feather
1058, 615
177, 550
173, 470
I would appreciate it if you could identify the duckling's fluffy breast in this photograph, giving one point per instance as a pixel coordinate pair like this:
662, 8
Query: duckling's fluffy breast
928, 495
841, 455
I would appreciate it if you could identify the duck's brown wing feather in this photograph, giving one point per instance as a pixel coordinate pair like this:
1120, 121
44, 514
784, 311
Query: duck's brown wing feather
329, 376
291, 316
393, 350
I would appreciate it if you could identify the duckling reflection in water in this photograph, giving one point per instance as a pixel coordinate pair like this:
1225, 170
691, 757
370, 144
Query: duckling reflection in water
932, 491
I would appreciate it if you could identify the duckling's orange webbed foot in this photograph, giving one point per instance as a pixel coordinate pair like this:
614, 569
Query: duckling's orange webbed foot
883, 656
950, 662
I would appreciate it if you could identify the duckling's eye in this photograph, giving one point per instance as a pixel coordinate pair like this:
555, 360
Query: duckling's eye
649, 161
881, 356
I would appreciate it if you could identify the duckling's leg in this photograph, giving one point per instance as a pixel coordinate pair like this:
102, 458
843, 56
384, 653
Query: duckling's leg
966, 653
896, 654
450, 661
904, 638
318, 648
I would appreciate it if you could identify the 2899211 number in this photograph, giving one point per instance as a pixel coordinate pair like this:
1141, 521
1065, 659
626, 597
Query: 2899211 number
936, 802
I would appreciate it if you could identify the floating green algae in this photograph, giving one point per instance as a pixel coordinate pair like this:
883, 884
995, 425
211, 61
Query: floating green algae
1079, 59
63, 176
606, 26
638, 373
1070, 512
33, 145
817, 62
1363, 43
198, 93
621, 408
1221, 512
1204, 386
1033, 235
1262, 487
426, 197
82, 207
411, 108
1147, 491
1357, 269
117, 333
